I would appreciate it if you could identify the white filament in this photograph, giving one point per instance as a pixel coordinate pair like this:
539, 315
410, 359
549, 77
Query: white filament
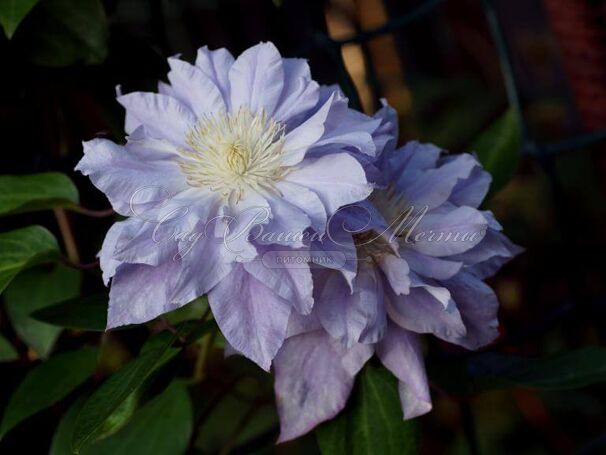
232, 153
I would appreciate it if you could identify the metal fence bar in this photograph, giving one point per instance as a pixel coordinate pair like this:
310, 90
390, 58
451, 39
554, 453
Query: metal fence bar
530, 146
574, 143
504, 53
394, 24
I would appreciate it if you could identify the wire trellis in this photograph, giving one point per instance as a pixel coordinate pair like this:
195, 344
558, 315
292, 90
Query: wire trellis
530, 145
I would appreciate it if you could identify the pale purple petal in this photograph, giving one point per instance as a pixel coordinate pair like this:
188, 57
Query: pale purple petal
239, 219
257, 78
448, 234
140, 293
286, 225
429, 266
472, 190
122, 176
307, 201
299, 323
216, 65
396, 271
406, 164
311, 384
355, 130
486, 258
300, 139
251, 316
434, 186
401, 354
352, 317
427, 309
163, 116
338, 179
106, 259
293, 284
194, 88
300, 93
479, 308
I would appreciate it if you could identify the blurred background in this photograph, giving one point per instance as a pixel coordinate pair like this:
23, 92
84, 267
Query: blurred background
451, 69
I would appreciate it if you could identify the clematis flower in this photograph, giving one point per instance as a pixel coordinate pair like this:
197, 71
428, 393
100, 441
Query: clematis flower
421, 255
229, 146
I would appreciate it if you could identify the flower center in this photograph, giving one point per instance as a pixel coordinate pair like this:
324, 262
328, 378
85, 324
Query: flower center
372, 247
391, 204
399, 216
232, 153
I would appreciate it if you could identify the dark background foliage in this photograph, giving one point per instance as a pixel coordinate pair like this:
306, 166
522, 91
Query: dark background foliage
450, 75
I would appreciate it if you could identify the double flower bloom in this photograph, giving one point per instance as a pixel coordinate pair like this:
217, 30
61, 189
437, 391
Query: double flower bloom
393, 243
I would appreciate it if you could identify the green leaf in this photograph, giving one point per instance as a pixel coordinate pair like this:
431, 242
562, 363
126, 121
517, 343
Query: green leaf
48, 383
26, 193
372, 421
113, 392
192, 311
24, 248
12, 12
36, 289
238, 417
81, 313
69, 33
568, 370
498, 149
162, 426
7, 352
62, 439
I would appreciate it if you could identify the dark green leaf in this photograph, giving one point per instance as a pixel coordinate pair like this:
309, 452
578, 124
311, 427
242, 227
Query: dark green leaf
26, 193
68, 33
7, 352
24, 248
36, 289
372, 421
192, 311
48, 383
498, 149
238, 417
62, 439
82, 313
199, 330
162, 426
12, 12
113, 392
568, 370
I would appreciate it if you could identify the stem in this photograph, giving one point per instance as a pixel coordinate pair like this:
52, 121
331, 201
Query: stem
79, 266
93, 213
469, 428
241, 425
205, 346
68, 236
171, 328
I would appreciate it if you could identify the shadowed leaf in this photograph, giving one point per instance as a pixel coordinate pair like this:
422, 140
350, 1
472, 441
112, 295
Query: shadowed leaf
7, 352
48, 383
12, 12
24, 248
81, 313
498, 149
91, 420
26, 193
34, 290
372, 421
162, 426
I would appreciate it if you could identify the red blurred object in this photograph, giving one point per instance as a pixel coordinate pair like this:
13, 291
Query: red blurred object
580, 28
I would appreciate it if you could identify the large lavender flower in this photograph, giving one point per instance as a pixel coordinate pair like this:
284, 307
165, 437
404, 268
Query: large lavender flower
421, 256
228, 146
